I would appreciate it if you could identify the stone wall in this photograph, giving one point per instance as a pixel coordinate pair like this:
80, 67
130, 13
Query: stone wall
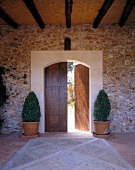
117, 44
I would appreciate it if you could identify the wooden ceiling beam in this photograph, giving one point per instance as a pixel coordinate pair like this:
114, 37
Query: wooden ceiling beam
67, 44
127, 10
68, 11
7, 19
32, 8
106, 5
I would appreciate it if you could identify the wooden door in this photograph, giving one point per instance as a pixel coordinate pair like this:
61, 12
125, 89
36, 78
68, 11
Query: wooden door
81, 97
56, 98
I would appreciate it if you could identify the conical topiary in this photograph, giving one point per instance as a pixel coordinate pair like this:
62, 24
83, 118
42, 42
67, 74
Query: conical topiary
31, 109
102, 106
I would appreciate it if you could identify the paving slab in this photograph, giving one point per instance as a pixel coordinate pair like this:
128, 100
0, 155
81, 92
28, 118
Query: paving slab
65, 153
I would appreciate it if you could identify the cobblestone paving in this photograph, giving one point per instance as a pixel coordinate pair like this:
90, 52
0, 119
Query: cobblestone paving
62, 153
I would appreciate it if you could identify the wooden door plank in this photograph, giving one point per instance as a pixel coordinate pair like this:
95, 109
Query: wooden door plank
56, 98
81, 97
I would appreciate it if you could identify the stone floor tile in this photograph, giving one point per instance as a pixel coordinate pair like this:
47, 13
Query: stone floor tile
124, 143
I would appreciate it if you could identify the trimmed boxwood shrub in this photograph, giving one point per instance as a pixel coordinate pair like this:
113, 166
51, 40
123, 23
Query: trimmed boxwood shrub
31, 109
102, 106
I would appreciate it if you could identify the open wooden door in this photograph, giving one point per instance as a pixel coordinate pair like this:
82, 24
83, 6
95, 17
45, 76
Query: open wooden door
56, 98
81, 97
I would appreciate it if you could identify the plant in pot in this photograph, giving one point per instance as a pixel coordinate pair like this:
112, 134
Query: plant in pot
102, 107
3, 95
31, 115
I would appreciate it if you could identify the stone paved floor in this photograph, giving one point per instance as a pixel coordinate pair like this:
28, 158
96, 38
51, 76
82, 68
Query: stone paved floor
124, 143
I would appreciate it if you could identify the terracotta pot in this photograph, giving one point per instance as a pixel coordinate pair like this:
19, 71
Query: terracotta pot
30, 128
101, 128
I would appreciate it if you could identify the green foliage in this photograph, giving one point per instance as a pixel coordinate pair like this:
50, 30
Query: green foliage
70, 66
1, 121
31, 109
3, 95
102, 106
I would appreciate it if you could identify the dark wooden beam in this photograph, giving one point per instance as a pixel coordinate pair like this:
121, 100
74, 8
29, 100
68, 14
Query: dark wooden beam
127, 10
32, 8
68, 11
67, 44
7, 19
106, 5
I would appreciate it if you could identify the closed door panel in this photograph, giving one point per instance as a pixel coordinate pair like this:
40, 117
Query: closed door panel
81, 97
56, 98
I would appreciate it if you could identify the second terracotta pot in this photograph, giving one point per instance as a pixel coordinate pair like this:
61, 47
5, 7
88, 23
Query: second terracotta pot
101, 128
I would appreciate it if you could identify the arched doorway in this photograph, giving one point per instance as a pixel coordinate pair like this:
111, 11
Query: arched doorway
42, 59
59, 79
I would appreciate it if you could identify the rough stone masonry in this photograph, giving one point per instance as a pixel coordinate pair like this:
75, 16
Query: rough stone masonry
117, 44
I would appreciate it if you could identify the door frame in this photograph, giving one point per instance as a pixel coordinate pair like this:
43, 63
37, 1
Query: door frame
41, 59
